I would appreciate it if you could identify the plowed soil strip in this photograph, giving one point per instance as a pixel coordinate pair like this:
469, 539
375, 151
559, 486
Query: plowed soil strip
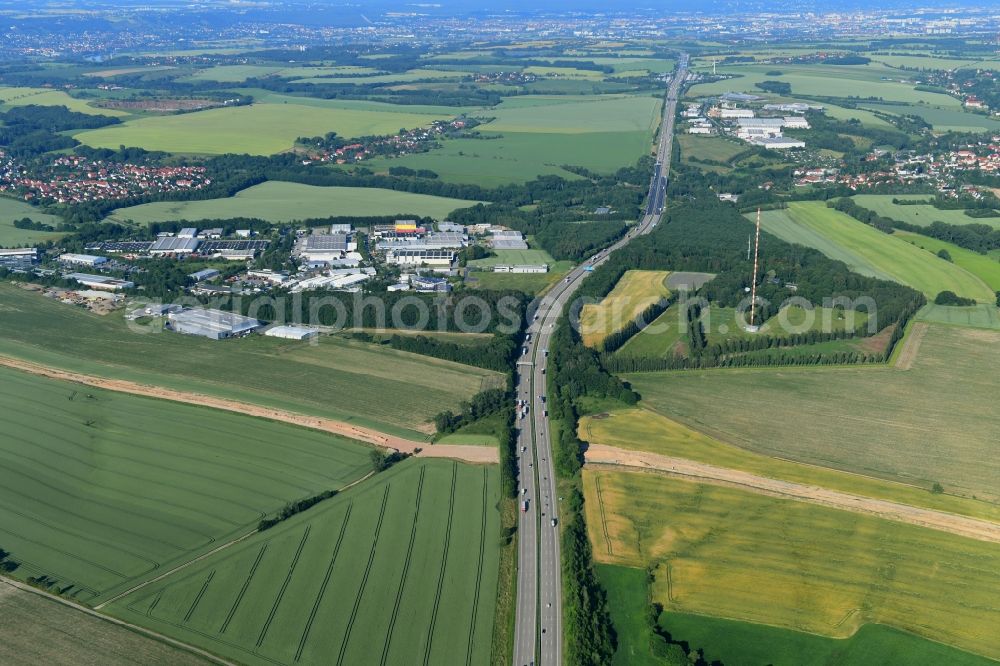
911, 346
611, 457
476, 454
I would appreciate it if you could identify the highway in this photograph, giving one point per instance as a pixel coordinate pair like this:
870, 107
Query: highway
538, 628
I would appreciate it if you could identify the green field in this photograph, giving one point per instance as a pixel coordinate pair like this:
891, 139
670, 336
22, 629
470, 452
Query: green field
943, 120
48, 97
521, 156
634, 292
743, 556
665, 336
983, 315
534, 135
638, 429
933, 422
240, 73
715, 148
826, 81
398, 77
277, 201
721, 324
531, 256
366, 384
102, 490
918, 214
629, 603
38, 630
735, 643
935, 62
10, 236
529, 283
399, 570
983, 266
577, 115
257, 129
871, 252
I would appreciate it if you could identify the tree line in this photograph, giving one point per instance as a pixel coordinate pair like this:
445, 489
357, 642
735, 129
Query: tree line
981, 238
574, 371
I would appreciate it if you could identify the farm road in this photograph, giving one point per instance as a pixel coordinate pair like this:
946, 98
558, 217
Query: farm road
609, 457
475, 454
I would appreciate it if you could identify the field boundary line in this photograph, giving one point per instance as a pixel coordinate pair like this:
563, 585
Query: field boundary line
444, 565
326, 581
232, 542
243, 589
284, 586
364, 578
604, 519
610, 458
149, 633
197, 599
406, 568
479, 574
177, 568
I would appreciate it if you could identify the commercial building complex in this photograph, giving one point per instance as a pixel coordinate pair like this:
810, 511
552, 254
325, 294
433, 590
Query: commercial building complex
213, 324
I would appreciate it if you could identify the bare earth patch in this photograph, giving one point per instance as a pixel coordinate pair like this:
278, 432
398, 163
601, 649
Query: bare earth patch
911, 346
981, 530
480, 454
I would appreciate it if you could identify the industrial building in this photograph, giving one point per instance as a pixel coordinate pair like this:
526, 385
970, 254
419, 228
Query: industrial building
82, 259
187, 232
204, 274
102, 282
212, 324
425, 284
274, 277
233, 250
154, 310
173, 245
19, 259
778, 142
793, 122
420, 257
503, 239
730, 114
324, 249
792, 107
333, 282
436, 240
291, 332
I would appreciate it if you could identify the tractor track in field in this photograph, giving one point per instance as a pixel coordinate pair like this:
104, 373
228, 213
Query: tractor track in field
473, 454
911, 346
599, 456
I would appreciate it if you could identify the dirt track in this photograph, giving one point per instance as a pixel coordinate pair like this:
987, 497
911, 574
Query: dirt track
476, 454
911, 346
599, 455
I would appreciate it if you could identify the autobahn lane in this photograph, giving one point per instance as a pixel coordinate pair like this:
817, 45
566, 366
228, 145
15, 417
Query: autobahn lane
538, 630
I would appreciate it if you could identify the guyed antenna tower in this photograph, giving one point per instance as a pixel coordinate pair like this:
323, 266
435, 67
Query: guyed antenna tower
753, 278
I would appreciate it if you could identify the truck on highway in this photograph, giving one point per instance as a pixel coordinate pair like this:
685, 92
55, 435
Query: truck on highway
524, 506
